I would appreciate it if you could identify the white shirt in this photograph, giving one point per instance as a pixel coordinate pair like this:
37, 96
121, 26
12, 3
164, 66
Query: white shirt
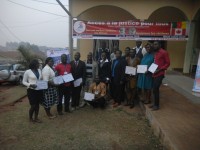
76, 62
104, 61
112, 56
143, 50
47, 73
30, 78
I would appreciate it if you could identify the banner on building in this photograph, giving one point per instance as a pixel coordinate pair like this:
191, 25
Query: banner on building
196, 87
55, 53
130, 30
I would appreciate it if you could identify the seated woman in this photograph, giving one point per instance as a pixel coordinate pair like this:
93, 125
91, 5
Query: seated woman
99, 89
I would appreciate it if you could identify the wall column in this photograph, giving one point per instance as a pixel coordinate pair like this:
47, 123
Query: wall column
189, 48
70, 30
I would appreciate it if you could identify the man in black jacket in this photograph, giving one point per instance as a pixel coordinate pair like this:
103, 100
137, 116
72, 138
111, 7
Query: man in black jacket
118, 78
104, 67
79, 73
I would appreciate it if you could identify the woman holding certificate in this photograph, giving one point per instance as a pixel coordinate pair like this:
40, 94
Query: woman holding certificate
99, 90
50, 94
145, 80
131, 79
35, 96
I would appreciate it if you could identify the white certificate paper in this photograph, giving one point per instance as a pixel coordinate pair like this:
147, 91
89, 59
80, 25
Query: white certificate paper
130, 70
153, 67
141, 68
68, 77
77, 82
41, 85
88, 96
58, 80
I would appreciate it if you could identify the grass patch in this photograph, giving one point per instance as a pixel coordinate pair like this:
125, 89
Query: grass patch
84, 129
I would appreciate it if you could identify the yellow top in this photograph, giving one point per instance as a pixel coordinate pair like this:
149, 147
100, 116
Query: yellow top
99, 90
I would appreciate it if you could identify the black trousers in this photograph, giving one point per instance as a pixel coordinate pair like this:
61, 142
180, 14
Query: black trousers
35, 96
118, 92
156, 86
76, 92
66, 92
112, 88
98, 103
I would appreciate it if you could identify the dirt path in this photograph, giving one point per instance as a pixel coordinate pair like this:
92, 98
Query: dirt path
84, 129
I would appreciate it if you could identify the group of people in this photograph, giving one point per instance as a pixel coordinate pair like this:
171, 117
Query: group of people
55, 93
129, 87
104, 78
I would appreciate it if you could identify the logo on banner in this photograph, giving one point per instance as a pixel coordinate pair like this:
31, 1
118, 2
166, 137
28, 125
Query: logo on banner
178, 31
79, 26
132, 31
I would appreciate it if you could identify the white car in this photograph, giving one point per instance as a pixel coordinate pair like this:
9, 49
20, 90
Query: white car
12, 73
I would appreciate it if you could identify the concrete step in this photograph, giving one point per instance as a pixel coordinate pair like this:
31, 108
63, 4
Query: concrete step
177, 122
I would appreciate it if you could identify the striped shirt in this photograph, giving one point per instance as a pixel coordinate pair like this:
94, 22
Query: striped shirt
89, 70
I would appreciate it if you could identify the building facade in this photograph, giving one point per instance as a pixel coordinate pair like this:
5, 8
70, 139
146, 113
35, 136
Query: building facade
183, 54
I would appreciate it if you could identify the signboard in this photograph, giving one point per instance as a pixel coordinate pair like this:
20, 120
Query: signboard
130, 30
56, 53
196, 87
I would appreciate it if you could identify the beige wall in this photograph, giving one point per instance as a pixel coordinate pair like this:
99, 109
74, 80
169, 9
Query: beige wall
196, 8
85, 47
135, 7
176, 50
123, 44
115, 14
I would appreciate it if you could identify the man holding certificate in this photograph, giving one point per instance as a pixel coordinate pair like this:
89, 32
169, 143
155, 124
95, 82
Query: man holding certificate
118, 79
79, 74
161, 58
64, 89
91, 72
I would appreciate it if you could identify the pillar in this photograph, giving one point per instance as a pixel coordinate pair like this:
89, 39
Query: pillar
70, 30
189, 49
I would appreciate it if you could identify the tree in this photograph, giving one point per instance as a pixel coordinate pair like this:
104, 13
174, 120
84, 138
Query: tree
27, 55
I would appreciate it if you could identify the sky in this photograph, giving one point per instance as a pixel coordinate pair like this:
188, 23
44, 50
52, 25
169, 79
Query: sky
19, 23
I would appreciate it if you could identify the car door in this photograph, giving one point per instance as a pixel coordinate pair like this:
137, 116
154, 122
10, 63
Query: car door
20, 70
